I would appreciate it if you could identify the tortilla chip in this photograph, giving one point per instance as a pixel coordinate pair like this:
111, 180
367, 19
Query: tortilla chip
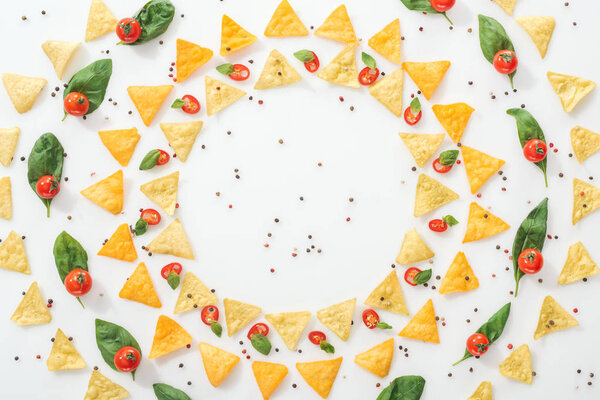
107, 193
163, 191
586, 199
459, 277
12, 254
238, 315
427, 75
268, 376
289, 325
479, 166
148, 99
276, 72
120, 245
338, 26
220, 95
553, 318
342, 69
233, 36
507, 5
172, 240
59, 54
102, 388
120, 143
482, 224
579, 265
5, 198
483, 392
422, 326
413, 249
338, 318
518, 365
190, 57
388, 295
285, 22
181, 136
8, 143
431, 195
377, 359
169, 336
63, 354
193, 295
540, 30
454, 118
139, 288
584, 143
217, 363
32, 309
387, 41
100, 21
570, 89
422, 146
320, 375
388, 91
22, 90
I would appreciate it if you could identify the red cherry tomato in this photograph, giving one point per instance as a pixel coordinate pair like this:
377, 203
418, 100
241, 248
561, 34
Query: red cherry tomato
410, 274
442, 169
163, 158
411, 118
316, 337
192, 105
312, 66
530, 261
78, 282
505, 61
240, 72
438, 225
129, 30
173, 267
368, 75
258, 328
209, 315
535, 150
442, 5
477, 344
127, 359
47, 187
76, 104
151, 216
370, 318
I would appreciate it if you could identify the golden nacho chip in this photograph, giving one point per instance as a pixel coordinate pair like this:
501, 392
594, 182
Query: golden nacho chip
388, 295
518, 365
553, 318
422, 326
579, 265
5, 198
169, 336
483, 392
59, 53
507, 5
268, 376
190, 57
120, 245
570, 89
120, 143
12, 254
100, 21
238, 315
163, 191
233, 36
422, 146
63, 354
388, 91
459, 277
413, 249
479, 166
193, 295
426, 75
586, 199
217, 363
431, 195
338, 318
540, 30
102, 388
22, 90
181, 136
107, 193
482, 224
285, 22
148, 99
387, 41
454, 118
584, 143
289, 325
377, 359
139, 288
320, 375
220, 95
342, 69
8, 143
276, 72
172, 240
32, 309
338, 26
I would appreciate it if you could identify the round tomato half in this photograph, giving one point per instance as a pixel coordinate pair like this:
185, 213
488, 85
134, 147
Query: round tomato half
173, 267
370, 318
151, 216
76, 104
535, 150
209, 314
316, 337
47, 187
129, 30
505, 61
411, 118
477, 344
313, 65
439, 168
368, 75
163, 158
78, 282
530, 261
442, 5
410, 274
191, 106
438, 225
259, 328
240, 72
127, 359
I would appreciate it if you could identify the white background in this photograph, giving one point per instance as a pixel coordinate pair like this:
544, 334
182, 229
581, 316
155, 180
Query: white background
362, 157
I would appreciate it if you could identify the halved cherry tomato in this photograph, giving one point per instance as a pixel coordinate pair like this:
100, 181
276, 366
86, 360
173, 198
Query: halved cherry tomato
530, 261
535, 150
370, 318
163, 158
438, 167
78, 282
316, 337
438, 225
173, 267
240, 72
505, 61
368, 75
209, 314
127, 359
313, 65
129, 30
192, 105
410, 274
47, 187
411, 118
76, 104
151, 216
260, 328
442, 5
477, 344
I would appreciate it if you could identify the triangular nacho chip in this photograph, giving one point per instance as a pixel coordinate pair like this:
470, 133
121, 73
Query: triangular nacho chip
148, 99
553, 318
168, 336
388, 295
320, 375
387, 41
100, 21
507, 5
586, 199
338, 318
431, 195
107, 193
482, 224
289, 325
479, 166
181, 136
5, 198
59, 54
32, 309
268, 376
422, 326
63, 354
518, 365
377, 359
12, 254
193, 295
454, 118
102, 388
570, 89
190, 57
276, 72
238, 315
217, 363
163, 191
584, 142
413, 249
338, 26
422, 146
342, 69
233, 36
427, 75
483, 392
579, 265
8, 142
285, 22
172, 240
459, 277
120, 245
22, 90
220, 95
388, 91
540, 30
120, 143
139, 288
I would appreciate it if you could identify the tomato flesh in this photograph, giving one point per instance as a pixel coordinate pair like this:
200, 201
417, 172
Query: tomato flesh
78, 282
76, 104
313, 65
439, 168
442, 5
535, 150
151, 216
438, 225
410, 274
505, 62
316, 337
127, 359
209, 315
370, 318
173, 267
411, 118
163, 158
191, 106
259, 328
368, 75
530, 261
47, 187
240, 72
128, 30
477, 344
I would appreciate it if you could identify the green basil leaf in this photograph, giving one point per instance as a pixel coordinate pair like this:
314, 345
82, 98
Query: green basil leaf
178, 103
110, 338
216, 328
46, 158
423, 277
226, 69
369, 61
173, 280
327, 347
528, 128
261, 343
415, 106
448, 157
162, 391
141, 227
409, 387
383, 325
304, 55
91, 81
150, 159
450, 220
154, 18
68, 255
492, 39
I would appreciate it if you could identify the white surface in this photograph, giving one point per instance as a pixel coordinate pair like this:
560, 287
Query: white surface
362, 157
